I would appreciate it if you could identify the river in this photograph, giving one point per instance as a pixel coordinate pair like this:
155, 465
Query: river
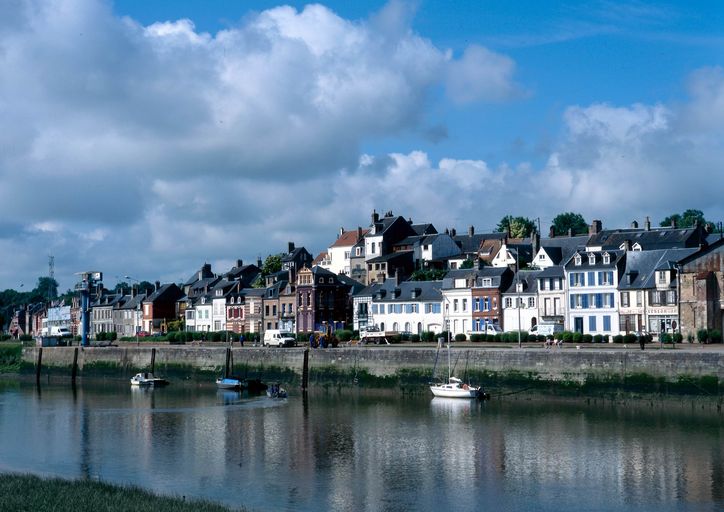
350, 450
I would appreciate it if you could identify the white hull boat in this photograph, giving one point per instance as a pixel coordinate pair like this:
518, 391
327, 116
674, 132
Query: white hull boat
147, 379
455, 389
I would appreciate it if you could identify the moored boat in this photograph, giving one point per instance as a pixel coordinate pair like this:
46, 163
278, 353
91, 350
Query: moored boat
454, 388
147, 379
229, 383
276, 391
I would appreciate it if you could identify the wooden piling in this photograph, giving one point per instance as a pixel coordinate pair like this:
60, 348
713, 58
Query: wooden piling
228, 359
75, 367
305, 369
38, 365
153, 360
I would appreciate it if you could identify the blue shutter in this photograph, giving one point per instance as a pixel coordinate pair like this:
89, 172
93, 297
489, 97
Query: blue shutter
591, 279
573, 301
592, 324
599, 300
606, 323
611, 303
610, 278
570, 278
584, 301
600, 278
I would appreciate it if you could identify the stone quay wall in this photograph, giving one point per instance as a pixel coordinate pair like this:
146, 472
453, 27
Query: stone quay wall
401, 365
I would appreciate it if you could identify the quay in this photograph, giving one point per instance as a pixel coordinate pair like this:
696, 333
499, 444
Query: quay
697, 369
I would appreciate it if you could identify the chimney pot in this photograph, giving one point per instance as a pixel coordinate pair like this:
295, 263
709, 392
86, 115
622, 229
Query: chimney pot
453, 232
647, 224
471, 231
239, 263
634, 225
595, 227
291, 247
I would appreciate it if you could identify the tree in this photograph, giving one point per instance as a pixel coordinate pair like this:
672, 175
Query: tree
689, 219
520, 227
468, 263
569, 220
47, 288
272, 264
432, 274
146, 287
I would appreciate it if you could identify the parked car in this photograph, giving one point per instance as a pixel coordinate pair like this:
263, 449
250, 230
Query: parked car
275, 337
546, 329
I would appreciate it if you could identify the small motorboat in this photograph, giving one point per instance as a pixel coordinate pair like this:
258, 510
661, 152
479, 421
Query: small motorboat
229, 383
276, 391
147, 379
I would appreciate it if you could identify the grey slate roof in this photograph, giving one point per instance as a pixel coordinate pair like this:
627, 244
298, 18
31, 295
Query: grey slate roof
471, 244
641, 267
615, 256
559, 249
554, 271
657, 238
393, 256
390, 291
494, 273
424, 229
529, 278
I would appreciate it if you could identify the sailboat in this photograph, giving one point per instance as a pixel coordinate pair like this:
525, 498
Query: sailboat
454, 387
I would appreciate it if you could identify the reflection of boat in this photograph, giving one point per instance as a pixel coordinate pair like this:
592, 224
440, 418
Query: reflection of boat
147, 379
454, 387
452, 406
276, 391
240, 384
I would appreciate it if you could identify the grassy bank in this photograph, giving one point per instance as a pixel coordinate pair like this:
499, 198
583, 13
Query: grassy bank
31, 493
11, 357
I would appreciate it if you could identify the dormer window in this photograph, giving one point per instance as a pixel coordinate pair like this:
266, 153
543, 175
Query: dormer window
591, 259
218, 293
636, 247
577, 260
487, 281
606, 258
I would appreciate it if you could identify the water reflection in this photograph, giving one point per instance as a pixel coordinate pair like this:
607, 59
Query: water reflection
352, 451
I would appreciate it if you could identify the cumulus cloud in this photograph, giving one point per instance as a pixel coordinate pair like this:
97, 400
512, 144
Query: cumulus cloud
481, 75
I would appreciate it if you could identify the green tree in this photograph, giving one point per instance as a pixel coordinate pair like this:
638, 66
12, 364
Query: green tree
520, 227
432, 274
468, 264
689, 219
272, 264
569, 220
47, 288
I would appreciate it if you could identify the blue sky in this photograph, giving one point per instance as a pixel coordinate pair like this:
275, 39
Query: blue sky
145, 138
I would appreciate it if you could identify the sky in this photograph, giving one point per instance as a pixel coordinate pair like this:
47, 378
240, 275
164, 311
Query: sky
147, 138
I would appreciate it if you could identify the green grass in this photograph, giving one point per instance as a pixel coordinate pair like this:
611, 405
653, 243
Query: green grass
33, 494
11, 355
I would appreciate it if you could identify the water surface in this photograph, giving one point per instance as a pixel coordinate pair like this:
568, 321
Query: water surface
350, 450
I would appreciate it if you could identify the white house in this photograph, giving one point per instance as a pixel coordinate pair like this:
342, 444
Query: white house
204, 314
520, 302
457, 297
592, 278
409, 306
340, 252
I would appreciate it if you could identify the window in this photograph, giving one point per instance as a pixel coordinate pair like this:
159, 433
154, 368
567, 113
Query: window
639, 298
394, 327
591, 259
346, 255
465, 304
592, 279
592, 323
409, 310
407, 326
495, 303
576, 278
606, 323
531, 302
455, 305
487, 281
374, 309
661, 277
382, 309
541, 256
358, 251
486, 304
321, 280
508, 302
577, 260
372, 248
274, 310
426, 247
606, 258
266, 310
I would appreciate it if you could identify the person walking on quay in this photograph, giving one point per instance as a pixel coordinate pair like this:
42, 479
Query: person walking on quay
642, 341
241, 339
311, 340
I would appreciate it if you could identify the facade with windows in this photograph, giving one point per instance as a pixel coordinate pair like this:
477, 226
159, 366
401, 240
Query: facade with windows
520, 302
409, 306
592, 296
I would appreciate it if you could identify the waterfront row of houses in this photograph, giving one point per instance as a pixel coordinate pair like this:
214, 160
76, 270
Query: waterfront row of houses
605, 282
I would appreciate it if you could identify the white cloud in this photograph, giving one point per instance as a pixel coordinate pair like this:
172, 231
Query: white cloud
481, 75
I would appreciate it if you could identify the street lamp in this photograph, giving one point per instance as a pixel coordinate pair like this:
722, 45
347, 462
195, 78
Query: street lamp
517, 289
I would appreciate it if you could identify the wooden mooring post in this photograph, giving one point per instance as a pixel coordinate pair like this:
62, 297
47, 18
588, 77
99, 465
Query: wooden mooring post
38, 366
305, 370
228, 359
74, 371
153, 360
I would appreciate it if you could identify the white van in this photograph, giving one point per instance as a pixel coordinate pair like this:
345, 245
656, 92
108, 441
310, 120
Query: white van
277, 338
492, 329
546, 329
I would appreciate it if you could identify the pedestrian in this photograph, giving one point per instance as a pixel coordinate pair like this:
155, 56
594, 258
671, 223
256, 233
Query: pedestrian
241, 339
642, 341
311, 340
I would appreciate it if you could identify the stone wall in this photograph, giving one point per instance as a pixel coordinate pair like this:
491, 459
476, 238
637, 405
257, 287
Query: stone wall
567, 365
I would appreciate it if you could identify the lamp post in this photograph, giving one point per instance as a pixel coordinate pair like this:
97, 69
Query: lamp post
517, 299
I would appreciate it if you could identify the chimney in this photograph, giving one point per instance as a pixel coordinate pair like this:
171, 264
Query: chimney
673, 222
471, 231
375, 217
627, 245
258, 262
239, 263
398, 277
158, 285
708, 228
341, 232
359, 233
595, 227
647, 224
570, 232
453, 232
535, 243
634, 225
552, 232
290, 246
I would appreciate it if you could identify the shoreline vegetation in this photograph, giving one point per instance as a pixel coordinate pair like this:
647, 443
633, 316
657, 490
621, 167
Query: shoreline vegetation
29, 492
